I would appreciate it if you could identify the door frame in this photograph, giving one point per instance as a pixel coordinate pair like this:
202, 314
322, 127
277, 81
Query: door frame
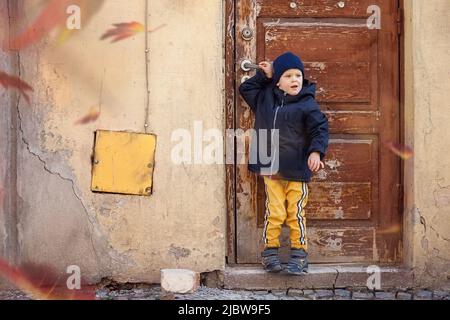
230, 123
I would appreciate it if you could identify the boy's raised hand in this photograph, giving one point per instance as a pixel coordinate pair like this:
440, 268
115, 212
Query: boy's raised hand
267, 68
314, 162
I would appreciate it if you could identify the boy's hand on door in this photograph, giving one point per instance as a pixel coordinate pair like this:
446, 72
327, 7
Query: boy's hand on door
314, 162
267, 68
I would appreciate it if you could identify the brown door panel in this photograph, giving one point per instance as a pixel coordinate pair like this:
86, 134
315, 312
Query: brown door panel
340, 59
352, 213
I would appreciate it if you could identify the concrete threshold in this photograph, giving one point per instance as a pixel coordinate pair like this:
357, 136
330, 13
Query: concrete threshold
320, 276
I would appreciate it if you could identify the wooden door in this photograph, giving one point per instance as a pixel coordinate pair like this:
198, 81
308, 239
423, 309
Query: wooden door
353, 210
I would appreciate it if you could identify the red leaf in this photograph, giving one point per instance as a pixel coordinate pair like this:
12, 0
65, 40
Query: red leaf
90, 117
53, 15
8, 81
125, 30
43, 283
122, 31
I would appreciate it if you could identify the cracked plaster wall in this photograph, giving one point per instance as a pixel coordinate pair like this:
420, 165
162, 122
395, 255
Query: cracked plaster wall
427, 118
60, 222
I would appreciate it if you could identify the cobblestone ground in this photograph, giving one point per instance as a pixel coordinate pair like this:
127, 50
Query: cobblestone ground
204, 293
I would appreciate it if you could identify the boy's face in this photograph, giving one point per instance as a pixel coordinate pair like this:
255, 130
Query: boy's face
291, 81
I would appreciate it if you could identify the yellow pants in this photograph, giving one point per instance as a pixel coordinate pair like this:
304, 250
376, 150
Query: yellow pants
285, 203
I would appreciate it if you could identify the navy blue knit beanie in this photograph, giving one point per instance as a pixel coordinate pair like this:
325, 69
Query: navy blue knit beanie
284, 62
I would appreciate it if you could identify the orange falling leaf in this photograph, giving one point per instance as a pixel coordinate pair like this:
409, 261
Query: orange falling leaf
402, 151
8, 81
42, 283
52, 16
92, 116
391, 230
123, 30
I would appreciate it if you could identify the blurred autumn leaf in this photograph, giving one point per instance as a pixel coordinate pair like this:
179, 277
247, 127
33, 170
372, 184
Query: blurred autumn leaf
53, 15
402, 151
122, 31
391, 230
91, 116
125, 30
8, 81
43, 283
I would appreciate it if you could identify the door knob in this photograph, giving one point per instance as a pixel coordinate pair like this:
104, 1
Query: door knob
247, 65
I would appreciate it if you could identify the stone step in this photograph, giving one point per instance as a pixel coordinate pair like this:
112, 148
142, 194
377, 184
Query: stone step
320, 276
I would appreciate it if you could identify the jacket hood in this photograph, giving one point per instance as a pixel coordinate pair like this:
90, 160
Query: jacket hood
308, 91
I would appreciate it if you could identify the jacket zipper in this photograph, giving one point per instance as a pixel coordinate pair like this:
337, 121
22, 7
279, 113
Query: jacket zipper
273, 131
276, 113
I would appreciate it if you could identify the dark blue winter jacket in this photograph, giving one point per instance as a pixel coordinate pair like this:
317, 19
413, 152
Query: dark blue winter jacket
302, 128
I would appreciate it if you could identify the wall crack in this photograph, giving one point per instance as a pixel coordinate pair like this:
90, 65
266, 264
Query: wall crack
438, 235
47, 169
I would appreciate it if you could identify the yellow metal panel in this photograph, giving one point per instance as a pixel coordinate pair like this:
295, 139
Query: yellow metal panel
123, 162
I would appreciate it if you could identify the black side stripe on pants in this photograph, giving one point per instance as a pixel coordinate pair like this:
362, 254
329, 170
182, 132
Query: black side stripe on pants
266, 216
300, 219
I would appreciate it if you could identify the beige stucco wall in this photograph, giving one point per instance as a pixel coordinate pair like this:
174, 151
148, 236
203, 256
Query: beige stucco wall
128, 238
427, 118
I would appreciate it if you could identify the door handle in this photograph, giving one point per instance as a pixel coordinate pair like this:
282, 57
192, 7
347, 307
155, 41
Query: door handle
247, 65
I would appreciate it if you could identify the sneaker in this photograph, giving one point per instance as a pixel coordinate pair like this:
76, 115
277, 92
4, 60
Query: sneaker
298, 262
270, 260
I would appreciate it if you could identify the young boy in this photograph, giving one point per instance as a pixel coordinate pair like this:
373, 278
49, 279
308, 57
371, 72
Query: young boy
284, 102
